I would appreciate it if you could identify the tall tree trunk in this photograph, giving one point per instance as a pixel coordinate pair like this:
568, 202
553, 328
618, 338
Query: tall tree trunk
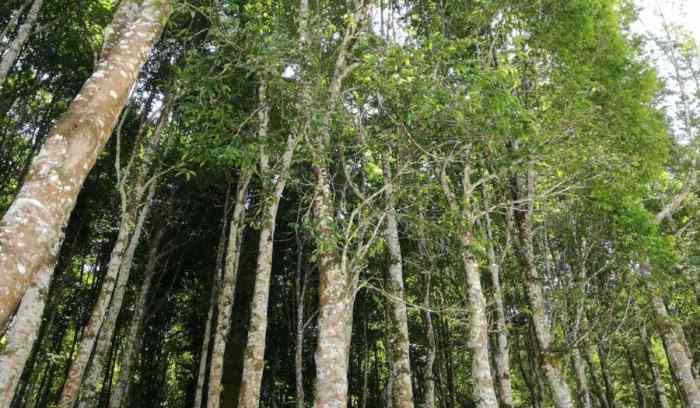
583, 393
22, 334
639, 390
31, 229
402, 390
429, 400
597, 388
679, 358
15, 47
227, 290
659, 390
97, 335
501, 354
120, 396
254, 357
300, 284
484, 391
548, 361
336, 285
605, 371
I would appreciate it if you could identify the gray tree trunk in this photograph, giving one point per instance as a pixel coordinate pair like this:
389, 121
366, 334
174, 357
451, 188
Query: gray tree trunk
15, 47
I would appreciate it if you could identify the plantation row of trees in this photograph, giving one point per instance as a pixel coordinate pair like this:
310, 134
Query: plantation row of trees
347, 203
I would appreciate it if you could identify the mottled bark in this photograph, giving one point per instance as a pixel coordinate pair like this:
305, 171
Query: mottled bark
31, 229
15, 46
402, 390
501, 353
549, 361
484, 392
22, 334
657, 382
679, 357
227, 290
254, 357
336, 285
120, 396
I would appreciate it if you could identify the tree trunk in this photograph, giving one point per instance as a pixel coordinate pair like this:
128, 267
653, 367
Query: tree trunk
15, 47
11, 24
659, 390
639, 390
254, 358
430, 360
583, 393
548, 361
300, 284
120, 396
22, 334
597, 389
679, 358
227, 290
97, 335
31, 229
501, 354
402, 390
605, 371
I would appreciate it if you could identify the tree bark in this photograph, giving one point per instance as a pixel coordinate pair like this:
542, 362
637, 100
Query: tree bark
639, 390
300, 285
659, 390
548, 360
11, 24
501, 354
583, 393
31, 229
120, 396
605, 371
254, 358
227, 290
429, 399
15, 47
679, 358
22, 334
402, 390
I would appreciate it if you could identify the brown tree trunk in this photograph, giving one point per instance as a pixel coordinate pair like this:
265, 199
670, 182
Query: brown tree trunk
227, 290
31, 229
548, 361
402, 390
254, 357
120, 396
15, 47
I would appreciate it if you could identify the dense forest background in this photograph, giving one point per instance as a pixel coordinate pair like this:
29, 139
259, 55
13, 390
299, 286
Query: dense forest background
347, 203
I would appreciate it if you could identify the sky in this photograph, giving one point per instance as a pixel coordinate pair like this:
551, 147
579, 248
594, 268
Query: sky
683, 12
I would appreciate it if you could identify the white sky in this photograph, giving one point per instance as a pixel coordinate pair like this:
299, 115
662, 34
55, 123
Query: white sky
683, 12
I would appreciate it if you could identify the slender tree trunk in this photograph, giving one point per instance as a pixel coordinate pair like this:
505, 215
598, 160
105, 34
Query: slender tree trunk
659, 390
97, 336
402, 390
549, 361
254, 357
227, 290
501, 357
605, 371
639, 390
430, 360
22, 334
597, 389
300, 284
120, 396
31, 229
11, 24
679, 358
583, 393
15, 47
